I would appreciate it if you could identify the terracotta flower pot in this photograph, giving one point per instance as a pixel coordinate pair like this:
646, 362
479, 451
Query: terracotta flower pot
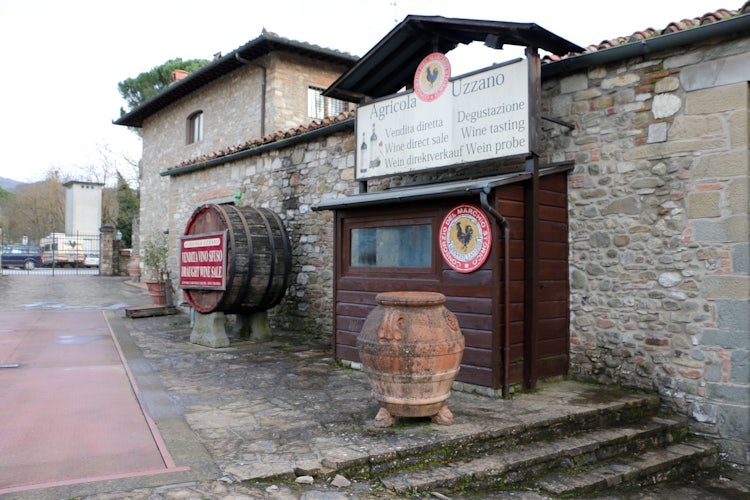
158, 292
411, 348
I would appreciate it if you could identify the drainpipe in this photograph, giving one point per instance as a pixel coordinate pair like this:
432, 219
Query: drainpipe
262, 91
506, 286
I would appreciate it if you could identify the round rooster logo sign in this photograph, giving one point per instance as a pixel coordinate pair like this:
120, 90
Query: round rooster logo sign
465, 238
431, 77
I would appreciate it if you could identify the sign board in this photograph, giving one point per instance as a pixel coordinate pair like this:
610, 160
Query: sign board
482, 116
465, 238
203, 261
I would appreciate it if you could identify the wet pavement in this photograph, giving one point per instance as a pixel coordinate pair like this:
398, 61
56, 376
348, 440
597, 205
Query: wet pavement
265, 412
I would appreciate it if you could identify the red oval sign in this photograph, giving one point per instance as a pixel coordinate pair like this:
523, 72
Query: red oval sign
465, 238
431, 77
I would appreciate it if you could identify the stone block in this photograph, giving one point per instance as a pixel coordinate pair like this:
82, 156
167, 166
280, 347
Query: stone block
739, 372
629, 206
704, 412
620, 81
726, 230
667, 84
209, 330
724, 338
738, 196
670, 148
741, 258
717, 100
588, 94
739, 124
733, 421
704, 204
683, 59
716, 72
574, 83
726, 286
731, 164
657, 132
561, 105
735, 315
739, 394
695, 127
735, 451
665, 105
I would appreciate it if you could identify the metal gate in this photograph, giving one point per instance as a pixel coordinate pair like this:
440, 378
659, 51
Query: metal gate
57, 254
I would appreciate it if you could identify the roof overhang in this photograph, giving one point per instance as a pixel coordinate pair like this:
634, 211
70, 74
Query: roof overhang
390, 64
439, 190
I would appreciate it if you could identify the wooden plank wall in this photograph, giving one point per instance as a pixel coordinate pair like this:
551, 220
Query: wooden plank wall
468, 296
472, 296
554, 336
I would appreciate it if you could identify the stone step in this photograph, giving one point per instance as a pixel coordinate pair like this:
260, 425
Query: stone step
521, 463
649, 467
474, 434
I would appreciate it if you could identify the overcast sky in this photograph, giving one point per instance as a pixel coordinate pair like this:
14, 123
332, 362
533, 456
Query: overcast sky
62, 60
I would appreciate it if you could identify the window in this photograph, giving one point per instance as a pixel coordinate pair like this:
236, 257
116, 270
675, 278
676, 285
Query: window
319, 106
195, 127
392, 246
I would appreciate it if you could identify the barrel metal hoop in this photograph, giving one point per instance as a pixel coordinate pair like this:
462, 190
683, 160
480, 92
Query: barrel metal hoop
287, 252
264, 304
230, 271
249, 277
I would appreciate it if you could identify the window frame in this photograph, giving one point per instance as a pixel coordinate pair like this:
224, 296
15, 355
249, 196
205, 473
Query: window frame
194, 136
316, 101
366, 222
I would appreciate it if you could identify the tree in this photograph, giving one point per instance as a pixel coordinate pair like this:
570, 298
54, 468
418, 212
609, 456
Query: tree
4, 195
5, 198
128, 205
138, 90
35, 209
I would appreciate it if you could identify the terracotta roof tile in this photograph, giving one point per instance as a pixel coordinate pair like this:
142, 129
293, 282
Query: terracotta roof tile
268, 139
685, 24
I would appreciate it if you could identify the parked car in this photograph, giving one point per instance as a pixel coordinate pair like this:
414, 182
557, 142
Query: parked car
92, 260
25, 256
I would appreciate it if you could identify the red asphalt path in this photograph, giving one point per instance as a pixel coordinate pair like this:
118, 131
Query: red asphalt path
70, 412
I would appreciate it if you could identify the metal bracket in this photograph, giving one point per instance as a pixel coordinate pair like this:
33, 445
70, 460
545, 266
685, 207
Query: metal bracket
569, 125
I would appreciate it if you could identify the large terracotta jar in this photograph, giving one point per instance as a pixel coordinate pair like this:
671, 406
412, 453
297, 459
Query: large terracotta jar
411, 348
134, 266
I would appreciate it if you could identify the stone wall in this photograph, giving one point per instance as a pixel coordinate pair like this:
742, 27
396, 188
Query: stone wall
288, 181
658, 205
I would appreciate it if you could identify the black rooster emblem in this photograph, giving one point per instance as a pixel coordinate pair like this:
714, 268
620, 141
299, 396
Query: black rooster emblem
464, 235
432, 73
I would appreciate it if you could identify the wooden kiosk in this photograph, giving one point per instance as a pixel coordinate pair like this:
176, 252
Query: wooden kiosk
476, 217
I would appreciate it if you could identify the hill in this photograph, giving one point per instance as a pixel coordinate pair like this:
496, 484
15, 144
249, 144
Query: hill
8, 184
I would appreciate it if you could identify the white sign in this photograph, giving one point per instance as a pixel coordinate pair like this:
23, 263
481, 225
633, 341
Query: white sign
479, 117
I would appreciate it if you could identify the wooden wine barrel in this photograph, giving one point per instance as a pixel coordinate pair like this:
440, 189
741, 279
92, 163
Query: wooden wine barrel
258, 259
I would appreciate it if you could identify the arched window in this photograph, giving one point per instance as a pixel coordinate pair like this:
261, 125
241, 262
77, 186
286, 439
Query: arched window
195, 127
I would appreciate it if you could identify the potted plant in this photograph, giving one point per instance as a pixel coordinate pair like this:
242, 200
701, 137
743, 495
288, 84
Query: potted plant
155, 251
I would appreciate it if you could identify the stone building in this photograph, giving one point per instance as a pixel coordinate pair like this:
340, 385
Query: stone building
656, 127
658, 206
